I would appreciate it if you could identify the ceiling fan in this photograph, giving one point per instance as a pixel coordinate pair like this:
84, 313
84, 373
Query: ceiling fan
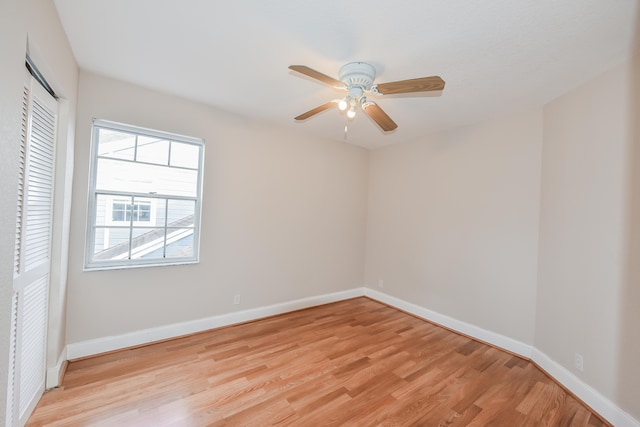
357, 79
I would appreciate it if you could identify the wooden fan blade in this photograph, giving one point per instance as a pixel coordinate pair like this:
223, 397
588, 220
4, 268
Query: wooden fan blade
422, 84
316, 110
379, 116
303, 69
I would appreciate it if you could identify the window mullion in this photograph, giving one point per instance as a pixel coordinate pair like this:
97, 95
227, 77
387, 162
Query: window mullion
130, 228
166, 222
143, 195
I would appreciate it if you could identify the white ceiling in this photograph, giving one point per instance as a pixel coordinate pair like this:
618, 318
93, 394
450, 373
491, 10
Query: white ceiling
496, 56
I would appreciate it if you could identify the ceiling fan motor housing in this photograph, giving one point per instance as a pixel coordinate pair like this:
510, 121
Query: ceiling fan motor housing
358, 74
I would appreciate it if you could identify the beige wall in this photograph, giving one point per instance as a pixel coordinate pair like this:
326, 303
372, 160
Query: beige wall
283, 218
453, 223
527, 226
453, 220
588, 291
35, 24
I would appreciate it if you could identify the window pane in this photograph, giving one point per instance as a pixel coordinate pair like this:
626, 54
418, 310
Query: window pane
115, 144
161, 210
117, 213
153, 150
143, 209
184, 155
179, 242
156, 254
109, 209
111, 243
146, 241
115, 175
181, 213
144, 213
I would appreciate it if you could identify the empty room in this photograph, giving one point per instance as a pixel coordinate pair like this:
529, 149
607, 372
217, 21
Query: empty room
421, 212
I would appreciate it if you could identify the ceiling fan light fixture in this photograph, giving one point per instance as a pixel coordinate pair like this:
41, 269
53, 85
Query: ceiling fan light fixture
343, 104
352, 112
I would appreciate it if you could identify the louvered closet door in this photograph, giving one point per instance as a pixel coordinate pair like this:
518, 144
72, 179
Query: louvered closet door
32, 254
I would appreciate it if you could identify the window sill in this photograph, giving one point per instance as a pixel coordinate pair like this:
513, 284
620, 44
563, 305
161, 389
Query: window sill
101, 267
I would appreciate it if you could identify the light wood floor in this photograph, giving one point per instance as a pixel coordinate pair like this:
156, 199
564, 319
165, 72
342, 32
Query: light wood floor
355, 362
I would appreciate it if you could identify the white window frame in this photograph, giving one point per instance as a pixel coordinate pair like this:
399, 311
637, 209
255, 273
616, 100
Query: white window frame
133, 262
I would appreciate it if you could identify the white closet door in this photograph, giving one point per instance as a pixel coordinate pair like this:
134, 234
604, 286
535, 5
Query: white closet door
32, 253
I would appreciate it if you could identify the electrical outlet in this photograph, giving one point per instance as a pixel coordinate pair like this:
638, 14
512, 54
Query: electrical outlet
579, 362
236, 299
381, 283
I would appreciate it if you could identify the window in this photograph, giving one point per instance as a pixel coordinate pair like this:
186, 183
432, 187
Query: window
145, 197
124, 211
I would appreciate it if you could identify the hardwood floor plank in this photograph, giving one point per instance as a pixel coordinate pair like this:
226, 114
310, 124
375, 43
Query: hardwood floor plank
354, 362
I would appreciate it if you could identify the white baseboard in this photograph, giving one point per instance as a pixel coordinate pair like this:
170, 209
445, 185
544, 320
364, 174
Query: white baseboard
146, 336
591, 397
493, 338
588, 395
54, 374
